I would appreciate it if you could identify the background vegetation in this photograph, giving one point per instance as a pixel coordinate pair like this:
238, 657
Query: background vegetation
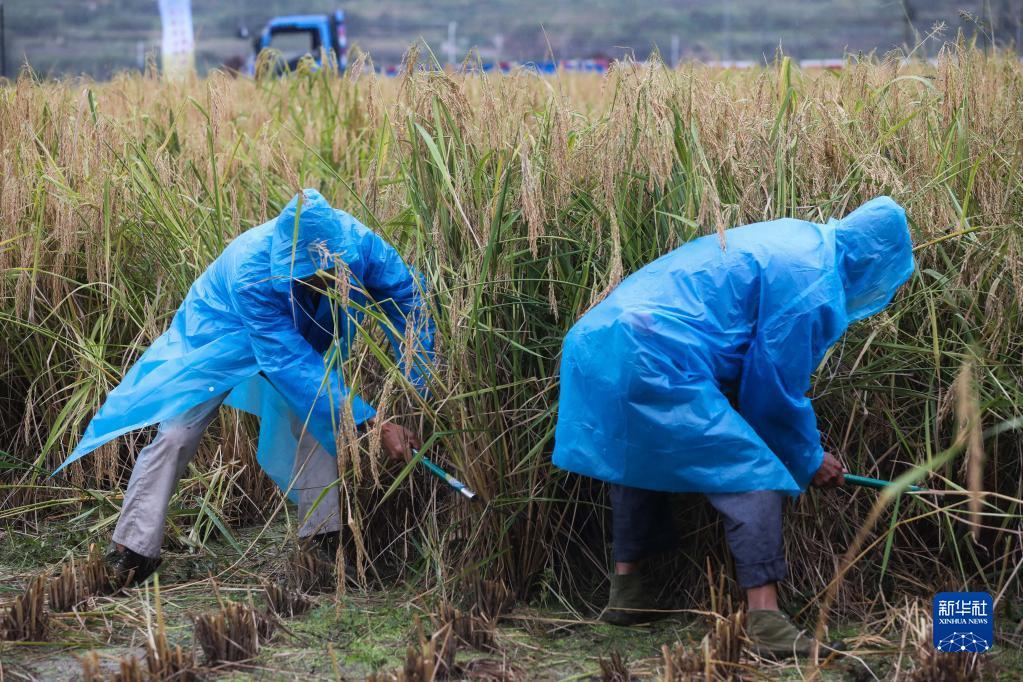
100, 37
524, 200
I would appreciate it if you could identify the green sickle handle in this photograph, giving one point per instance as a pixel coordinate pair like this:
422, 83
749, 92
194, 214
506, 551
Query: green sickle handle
865, 482
445, 476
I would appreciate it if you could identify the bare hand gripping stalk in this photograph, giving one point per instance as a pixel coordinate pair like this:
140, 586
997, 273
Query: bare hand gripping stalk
256, 333
692, 377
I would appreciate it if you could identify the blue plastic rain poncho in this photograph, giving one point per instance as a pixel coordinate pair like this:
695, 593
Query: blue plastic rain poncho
692, 375
247, 327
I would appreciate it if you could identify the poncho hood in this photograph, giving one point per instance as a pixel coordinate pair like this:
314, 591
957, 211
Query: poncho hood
307, 236
874, 255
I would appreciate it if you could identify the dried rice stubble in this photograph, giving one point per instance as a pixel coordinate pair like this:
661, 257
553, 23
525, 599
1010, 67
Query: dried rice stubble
431, 658
167, 662
938, 666
79, 581
285, 602
26, 619
931, 665
720, 650
614, 668
468, 629
493, 599
310, 573
128, 669
234, 633
492, 670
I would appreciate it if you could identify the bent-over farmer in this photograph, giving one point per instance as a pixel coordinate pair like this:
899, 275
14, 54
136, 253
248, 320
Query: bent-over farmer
258, 332
692, 375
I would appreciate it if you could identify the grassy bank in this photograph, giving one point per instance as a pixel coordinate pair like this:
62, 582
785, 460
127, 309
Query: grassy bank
524, 200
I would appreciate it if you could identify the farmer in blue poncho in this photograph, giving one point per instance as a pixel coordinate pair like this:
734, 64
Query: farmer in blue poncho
258, 332
692, 376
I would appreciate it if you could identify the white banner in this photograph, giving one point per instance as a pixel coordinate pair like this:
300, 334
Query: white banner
178, 38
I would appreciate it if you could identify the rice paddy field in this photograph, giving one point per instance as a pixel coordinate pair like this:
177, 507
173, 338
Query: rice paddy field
524, 200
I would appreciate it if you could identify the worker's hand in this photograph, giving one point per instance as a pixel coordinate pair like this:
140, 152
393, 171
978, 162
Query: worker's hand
830, 474
397, 441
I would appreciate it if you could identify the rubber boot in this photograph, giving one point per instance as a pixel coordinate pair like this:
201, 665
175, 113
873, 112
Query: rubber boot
129, 568
326, 545
630, 603
772, 635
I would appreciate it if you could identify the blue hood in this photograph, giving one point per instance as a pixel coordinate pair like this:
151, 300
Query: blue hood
307, 236
874, 255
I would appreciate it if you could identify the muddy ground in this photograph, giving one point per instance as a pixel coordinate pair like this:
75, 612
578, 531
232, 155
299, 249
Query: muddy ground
363, 632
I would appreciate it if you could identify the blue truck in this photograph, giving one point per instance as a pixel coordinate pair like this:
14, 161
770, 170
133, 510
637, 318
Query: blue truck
298, 36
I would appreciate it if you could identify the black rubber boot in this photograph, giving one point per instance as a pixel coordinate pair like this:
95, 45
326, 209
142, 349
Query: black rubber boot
630, 603
324, 545
129, 568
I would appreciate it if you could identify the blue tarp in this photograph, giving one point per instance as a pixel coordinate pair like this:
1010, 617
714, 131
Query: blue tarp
692, 375
247, 327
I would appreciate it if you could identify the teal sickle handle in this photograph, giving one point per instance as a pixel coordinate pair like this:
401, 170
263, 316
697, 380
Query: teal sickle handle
865, 482
446, 477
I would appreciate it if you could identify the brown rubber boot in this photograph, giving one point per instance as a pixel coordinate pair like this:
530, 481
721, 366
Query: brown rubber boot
630, 603
772, 635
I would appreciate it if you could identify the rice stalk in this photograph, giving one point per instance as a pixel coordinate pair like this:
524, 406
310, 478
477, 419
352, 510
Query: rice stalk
970, 432
234, 633
92, 671
429, 658
492, 670
492, 599
467, 629
128, 669
937, 666
79, 581
163, 661
308, 571
889, 494
931, 665
26, 619
719, 652
285, 603
614, 668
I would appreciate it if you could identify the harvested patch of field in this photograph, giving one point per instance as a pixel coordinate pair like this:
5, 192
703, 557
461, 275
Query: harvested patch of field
368, 632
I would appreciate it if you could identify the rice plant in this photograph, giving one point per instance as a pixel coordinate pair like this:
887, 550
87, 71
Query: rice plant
524, 200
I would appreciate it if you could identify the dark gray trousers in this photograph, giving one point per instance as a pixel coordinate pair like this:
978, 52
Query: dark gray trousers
643, 525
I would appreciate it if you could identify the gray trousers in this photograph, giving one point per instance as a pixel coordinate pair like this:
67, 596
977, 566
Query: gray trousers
643, 525
164, 461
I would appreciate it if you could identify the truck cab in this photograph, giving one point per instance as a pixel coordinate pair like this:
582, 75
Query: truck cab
302, 35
